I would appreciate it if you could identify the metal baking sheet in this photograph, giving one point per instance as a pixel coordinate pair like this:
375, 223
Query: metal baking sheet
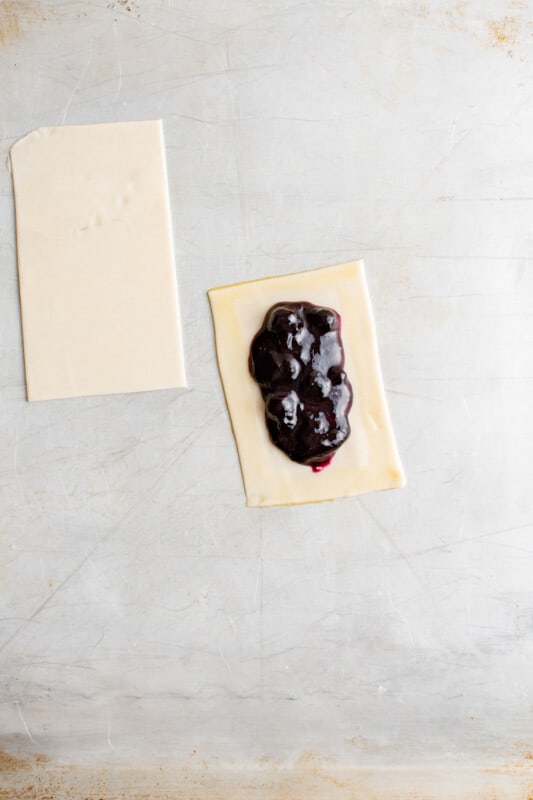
157, 638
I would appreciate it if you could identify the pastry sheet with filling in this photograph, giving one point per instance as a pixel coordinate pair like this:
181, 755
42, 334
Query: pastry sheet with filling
369, 460
96, 263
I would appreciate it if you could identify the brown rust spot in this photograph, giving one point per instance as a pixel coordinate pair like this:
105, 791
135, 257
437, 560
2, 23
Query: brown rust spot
126, 6
503, 32
515, 767
14, 14
312, 763
457, 17
361, 743
309, 777
9, 22
9, 763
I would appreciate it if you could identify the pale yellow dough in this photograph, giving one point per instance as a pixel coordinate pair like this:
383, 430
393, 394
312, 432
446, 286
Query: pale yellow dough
96, 263
369, 460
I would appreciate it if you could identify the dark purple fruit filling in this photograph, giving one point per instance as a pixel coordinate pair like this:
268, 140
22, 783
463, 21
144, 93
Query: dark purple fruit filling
298, 361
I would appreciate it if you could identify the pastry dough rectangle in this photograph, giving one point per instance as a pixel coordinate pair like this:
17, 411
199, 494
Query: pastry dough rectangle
369, 459
96, 264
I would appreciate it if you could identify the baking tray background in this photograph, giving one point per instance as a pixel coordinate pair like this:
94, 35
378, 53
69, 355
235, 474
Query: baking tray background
154, 629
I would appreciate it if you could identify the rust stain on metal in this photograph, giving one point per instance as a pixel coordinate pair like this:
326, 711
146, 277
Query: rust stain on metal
35, 778
126, 7
9, 22
9, 763
503, 32
311, 762
310, 777
457, 16
14, 15
523, 766
362, 743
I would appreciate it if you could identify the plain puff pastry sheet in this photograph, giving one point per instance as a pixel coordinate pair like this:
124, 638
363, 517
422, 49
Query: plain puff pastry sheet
369, 459
96, 263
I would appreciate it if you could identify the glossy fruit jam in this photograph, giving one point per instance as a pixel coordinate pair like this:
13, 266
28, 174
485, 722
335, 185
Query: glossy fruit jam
297, 359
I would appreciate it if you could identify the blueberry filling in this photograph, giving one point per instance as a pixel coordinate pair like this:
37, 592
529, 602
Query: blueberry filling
297, 359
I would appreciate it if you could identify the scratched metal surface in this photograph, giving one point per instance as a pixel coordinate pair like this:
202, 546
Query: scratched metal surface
149, 618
